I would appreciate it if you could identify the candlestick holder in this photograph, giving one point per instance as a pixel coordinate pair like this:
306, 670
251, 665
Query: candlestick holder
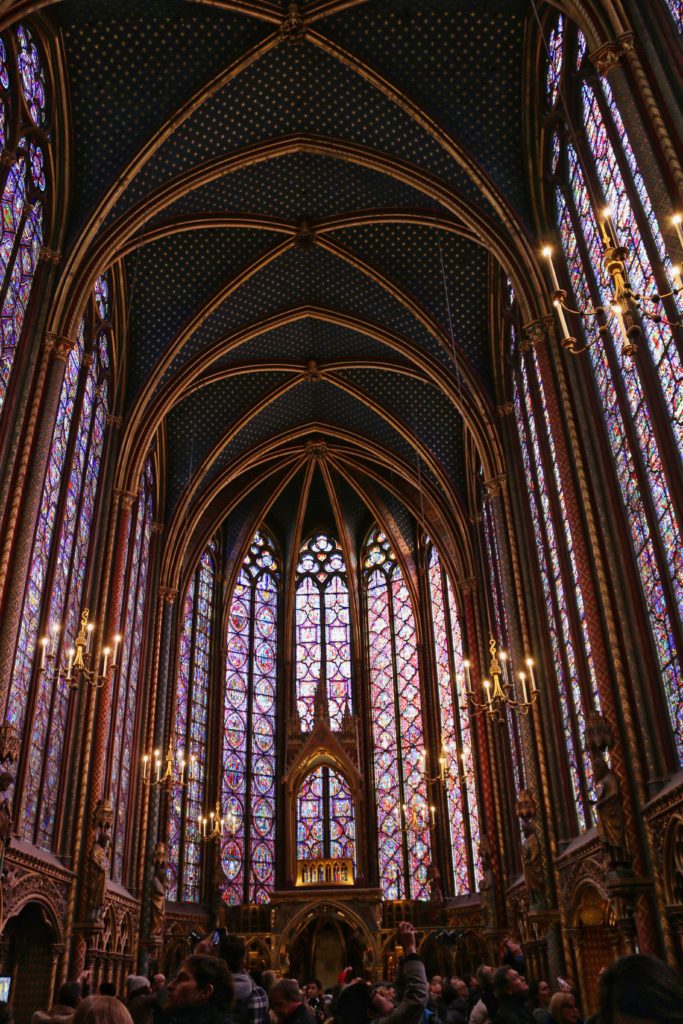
81, 666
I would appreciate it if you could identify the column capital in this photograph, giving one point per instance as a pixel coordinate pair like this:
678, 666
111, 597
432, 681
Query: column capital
126, 499
607, 56
59, 345
158, 527
114, 421
494, 484
168, 594
49, 255
536, 332
468, 585
506, 409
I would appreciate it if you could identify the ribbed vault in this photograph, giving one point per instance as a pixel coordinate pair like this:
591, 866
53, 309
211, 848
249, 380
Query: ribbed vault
310, 211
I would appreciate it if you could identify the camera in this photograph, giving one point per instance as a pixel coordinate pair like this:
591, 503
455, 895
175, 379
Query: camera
450, 937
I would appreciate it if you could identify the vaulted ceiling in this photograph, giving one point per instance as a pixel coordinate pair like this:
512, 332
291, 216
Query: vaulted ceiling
307, 203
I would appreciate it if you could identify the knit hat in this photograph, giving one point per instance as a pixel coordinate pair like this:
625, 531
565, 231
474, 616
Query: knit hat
136, 983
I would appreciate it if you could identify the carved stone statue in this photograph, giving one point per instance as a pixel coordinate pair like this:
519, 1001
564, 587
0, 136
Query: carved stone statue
434, 880
158, 894
531, 851
611, 824
97, 868
9, 752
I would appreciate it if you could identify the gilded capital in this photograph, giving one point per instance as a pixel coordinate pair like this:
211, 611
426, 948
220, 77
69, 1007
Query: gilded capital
505, 410
114, 421
49, 255
168, 594
608, 56
59, 345
494, 484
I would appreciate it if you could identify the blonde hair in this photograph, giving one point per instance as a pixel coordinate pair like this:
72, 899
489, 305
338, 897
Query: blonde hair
558, 1003
101, 1010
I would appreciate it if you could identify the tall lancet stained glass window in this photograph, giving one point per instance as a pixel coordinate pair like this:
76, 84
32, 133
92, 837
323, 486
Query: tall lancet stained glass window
53, 595
126, 682
642, 404
190, 721
456, 736
323, 641
249, 723
24, 185
403, 812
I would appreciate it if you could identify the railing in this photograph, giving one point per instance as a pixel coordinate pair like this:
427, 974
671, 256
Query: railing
325, 871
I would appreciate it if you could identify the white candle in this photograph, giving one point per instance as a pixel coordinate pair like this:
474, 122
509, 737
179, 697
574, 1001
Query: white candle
530, 666
145, 767
619, 315
432, 811
55, 633
117, 641
88, 636
522, 680
548, 253
487, 689
107, 652
677, 220
561, 317
609, 226
44, 642
468, 681
71, 661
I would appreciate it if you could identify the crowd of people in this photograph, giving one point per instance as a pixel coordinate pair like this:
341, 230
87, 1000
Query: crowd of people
212, 986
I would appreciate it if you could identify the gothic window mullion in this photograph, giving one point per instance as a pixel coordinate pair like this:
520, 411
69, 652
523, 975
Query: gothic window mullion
44, 624
457, 712
188, 728
577, 739
558, 515
249, 780
62, 638
399, 744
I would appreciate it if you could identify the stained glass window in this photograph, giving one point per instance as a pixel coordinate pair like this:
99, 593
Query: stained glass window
190, 719
23, 187
126, 682
56, 578
249, 755
323, 642
676, 9
636, 413
456, 739
325, 816
555, 55
403, 812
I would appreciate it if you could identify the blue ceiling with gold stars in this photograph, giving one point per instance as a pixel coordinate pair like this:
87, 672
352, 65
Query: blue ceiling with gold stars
301, 199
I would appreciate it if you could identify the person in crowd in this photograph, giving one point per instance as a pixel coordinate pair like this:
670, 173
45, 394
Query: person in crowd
511, 955
511, 991
268, 979
101, 1010
453, 1006
563, 1009
640, 988
538, 1002
107, 988
139, 998
484, 1009
360, 1002
314, 999
68, 998
6, 1015
158, 981
232, 949
201, 992
435, 993
288, 1003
